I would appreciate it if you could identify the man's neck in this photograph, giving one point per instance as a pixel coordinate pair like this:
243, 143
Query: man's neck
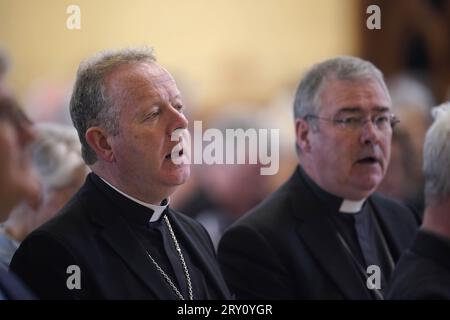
437, 218
154, 198
351, 194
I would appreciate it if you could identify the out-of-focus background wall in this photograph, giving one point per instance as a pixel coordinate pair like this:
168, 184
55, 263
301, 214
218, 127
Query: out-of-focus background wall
239, 60
228, 50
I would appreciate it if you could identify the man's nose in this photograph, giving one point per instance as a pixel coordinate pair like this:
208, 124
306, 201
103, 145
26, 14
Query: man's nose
177, 121
370, 133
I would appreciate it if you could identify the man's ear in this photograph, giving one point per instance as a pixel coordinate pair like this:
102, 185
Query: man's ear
302, 130
97, 138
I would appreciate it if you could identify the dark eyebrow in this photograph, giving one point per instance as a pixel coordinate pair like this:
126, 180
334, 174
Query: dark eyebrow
380, 109
350, 110
357, 110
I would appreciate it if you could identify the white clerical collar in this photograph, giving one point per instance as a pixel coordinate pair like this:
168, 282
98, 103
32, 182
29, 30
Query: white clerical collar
350, 206
157, 210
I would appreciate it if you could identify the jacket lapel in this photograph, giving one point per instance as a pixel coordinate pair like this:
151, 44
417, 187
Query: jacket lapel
210, 270
320, 236
397, 234
121, 239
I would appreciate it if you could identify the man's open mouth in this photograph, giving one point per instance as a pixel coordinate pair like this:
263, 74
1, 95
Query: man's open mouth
368, 160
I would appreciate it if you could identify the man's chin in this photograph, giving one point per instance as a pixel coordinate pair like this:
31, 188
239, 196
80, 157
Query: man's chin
180, 175
368, 186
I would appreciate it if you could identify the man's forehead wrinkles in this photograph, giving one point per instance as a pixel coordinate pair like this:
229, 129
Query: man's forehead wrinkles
161, 79
151, 95
349, 109
134, 83
356, 109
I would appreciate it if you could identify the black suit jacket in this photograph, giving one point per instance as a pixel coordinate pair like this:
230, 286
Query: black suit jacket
287, 248
90, 232
12, 289
423, 271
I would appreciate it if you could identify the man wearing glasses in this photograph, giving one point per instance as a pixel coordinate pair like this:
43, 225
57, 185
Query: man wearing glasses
325, 234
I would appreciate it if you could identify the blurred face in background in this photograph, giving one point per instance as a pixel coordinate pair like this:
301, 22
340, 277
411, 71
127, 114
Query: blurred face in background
25, 218
18, 181
55, 198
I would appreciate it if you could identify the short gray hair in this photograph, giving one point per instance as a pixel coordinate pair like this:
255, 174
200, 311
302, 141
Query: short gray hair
339, 68
436, 156
56, 154
90, 104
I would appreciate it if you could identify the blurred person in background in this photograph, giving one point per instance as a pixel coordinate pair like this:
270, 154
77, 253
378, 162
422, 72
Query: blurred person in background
18, 182
411, 102
401, 170
226, 191
4, 67
56, 156
423, 272
233, 190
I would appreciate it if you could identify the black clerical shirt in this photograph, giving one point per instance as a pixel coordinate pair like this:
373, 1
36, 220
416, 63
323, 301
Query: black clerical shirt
360, 232
155, 239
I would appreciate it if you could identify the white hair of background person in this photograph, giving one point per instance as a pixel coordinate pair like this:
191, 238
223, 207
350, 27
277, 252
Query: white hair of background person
408, 93
56, 154
436, 162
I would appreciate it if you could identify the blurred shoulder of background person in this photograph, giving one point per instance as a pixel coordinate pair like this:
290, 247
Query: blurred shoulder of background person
56, 156
17, 179
4, 67
423, 272
411, 101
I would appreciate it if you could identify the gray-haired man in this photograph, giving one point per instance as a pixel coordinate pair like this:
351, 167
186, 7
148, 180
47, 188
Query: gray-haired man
117, 238
325, 234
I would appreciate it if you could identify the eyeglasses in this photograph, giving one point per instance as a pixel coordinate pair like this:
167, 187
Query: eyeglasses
382, 122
